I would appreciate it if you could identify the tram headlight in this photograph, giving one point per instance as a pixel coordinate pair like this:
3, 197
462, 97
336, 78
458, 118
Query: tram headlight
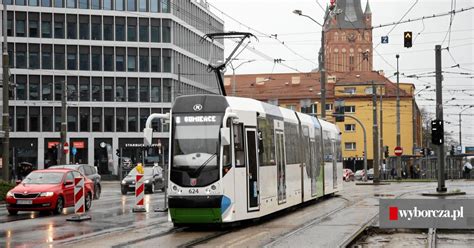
213, 187
123, 182
175, 188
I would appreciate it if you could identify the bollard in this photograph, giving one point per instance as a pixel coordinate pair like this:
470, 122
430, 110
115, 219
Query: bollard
79, 204
139, 194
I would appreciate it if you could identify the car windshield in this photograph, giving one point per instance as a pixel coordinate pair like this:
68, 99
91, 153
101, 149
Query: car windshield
148, 171
43, 178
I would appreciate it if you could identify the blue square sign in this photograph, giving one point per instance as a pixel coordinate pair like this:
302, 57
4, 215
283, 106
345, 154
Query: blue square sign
384, 39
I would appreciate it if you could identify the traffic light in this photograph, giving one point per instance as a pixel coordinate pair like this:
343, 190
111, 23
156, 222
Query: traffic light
451, 152
117, 152
437, 132
422, 152
386, 153
407, 37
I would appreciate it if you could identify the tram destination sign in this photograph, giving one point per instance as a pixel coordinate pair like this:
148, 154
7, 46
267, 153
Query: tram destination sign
197, 119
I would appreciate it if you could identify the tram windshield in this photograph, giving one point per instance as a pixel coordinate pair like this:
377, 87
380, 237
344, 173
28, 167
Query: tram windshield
195, 149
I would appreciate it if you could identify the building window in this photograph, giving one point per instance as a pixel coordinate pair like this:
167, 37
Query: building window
144, 90
59, 30
96, 89
34, 60
132, 33
72, 119
349, 109
350, 146
21, 119
20, 2
58, 3
84, 119
167, 90
96, 60
108, 32
47, 88
84, 89
33, 3
166, 31
33, 29
20, 28
120, 32
349, 127
131, 5
83, 4
120, 120
119, 5
20, 59
72, 61
47, 119
46, 29
144, 113
58, 60
46, 3
34, 88
132, 120
21, 88
9, 27
155, 90
350, 90
72, 89
132, 91
34, 119
95, 4
329, 106
155, 63
71, 3
84, 59
84, 30
166, 60
96, 31
132, 63
144, 33
108, 59
107, 4
273, 102
71, 29
119, 63
97, 119
155, 30
144, 67
143, 5
57, 119
120, 90
154, 6
165, 6
368, 90
109, 89
108, 119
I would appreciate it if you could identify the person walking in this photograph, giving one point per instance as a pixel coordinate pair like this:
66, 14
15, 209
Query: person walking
467, 169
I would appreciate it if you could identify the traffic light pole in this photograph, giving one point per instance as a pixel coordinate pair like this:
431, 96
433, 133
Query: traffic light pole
439, 116
375, 135
63, 158
6, 98
399, 158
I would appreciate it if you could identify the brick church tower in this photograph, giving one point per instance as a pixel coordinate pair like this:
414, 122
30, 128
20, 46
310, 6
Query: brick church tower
349, 38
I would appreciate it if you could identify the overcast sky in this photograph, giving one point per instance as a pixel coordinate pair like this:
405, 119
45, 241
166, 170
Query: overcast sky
302, 39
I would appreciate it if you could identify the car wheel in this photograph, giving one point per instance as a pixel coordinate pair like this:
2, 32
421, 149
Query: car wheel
88, 200
97, 191
124, 191
12, 212
59, 206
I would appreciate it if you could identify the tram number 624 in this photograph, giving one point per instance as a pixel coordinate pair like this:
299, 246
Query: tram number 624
193, 191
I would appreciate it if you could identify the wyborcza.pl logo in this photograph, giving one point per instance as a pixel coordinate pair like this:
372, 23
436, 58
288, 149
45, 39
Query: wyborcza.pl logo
426, 213
409, 214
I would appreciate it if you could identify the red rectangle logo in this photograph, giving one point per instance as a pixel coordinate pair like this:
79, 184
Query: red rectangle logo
393, 213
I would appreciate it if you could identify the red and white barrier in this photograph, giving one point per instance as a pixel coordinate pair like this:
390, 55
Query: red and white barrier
79, 202
139, 194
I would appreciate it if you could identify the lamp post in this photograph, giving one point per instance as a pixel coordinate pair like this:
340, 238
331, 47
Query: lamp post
460, 137
399, 159
233, 73
322, 59
6, 90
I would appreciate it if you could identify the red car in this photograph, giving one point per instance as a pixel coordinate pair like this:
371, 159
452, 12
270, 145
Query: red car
348, 175
47, 190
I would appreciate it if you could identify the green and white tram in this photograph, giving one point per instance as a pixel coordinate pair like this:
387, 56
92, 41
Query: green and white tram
235, 158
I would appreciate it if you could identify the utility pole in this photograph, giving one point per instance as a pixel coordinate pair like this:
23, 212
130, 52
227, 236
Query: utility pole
322, 70
375, 135
381, 145
6, 97
439, 116
399, 159
63, 159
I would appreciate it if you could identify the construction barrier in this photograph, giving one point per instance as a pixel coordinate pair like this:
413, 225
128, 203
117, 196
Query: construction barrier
79, 202
139, 193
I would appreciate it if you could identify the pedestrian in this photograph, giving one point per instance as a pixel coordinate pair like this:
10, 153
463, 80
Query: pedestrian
384, 170
467, 169
393, 173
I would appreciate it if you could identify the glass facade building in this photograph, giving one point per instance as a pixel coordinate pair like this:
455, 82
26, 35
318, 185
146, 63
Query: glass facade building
119, 61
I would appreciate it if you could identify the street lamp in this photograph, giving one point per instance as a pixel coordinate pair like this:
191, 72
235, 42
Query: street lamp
322, 59
460, 137
233, 73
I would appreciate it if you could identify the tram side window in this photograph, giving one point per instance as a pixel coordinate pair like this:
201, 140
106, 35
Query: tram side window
306, 148
267, 149
291, 143
239, 145
328, 152
226, 156
318, 150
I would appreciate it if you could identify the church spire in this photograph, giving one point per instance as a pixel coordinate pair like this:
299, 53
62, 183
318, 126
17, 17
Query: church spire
367, 9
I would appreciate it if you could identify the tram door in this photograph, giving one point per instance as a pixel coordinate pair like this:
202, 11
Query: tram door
334, 164
281, 172
252, 170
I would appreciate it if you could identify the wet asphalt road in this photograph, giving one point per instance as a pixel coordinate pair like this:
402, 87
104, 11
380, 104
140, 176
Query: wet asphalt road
111, 212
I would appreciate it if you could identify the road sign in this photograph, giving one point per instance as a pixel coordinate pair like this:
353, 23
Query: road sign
74, 151
398, 151
384, 39
459, 148
66, 148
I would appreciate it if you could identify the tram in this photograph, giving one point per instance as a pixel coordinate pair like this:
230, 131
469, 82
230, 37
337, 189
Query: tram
234, 159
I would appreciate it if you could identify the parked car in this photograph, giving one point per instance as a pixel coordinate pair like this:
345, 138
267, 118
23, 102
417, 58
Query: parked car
359, 175
347, 175
153, 179
47, 190
89, 171
370, 174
